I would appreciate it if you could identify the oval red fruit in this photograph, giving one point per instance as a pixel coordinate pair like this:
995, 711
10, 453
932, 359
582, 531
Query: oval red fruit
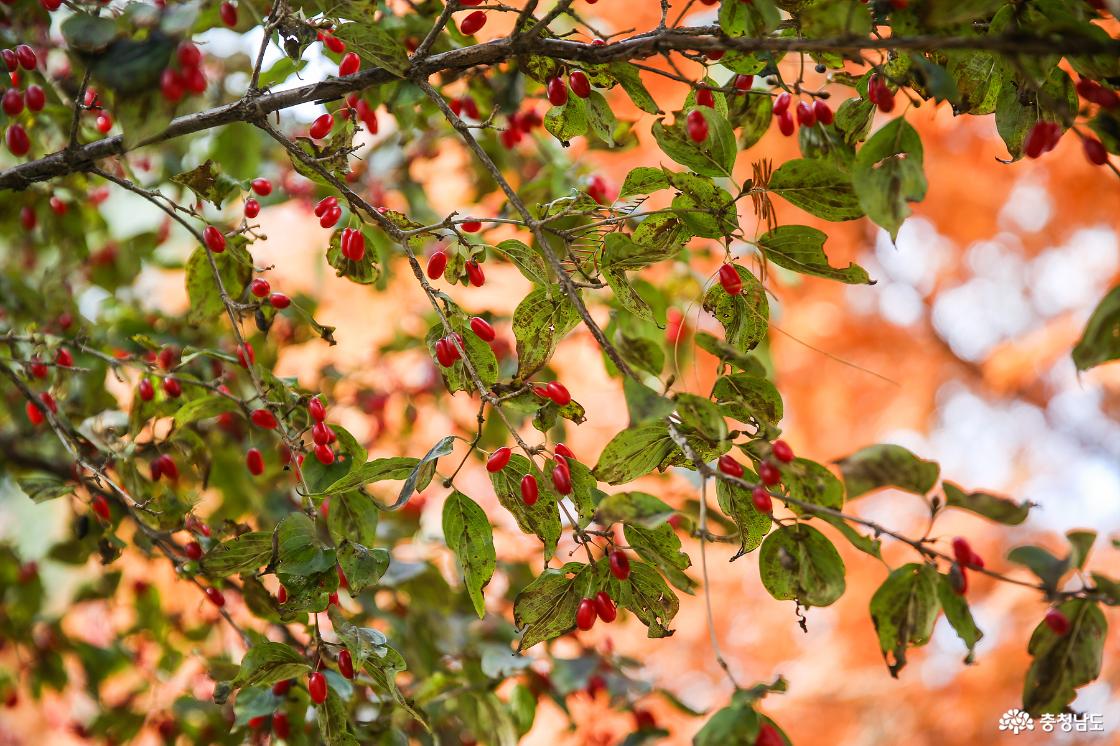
254, 461
215, 240
782, 451
321, 127
697, 126
252, 208
620, 564
730, 280
471, 226
100, 507
581, 86
263, 187
345, 664
806, 117
324, 454
498, 459
744, 82
193, 550
782, 102
529, 489
228, 13
17, 140
785, 123
349, 65
558, 393
172, 388
145, 389
475, 274
264, 418
585, 614
823, 112
26, 57
260, 287
189, 55
36, 98
562, 480
436, 264
482, 329
330, 217
705, 97
557, 91
317, 687
563, 450
215, 597
280, 688
769, 473
1094, 151
473, 23
728, 465
761, 499
604, 606
317, 409
1057, 622
34, 413
281, 726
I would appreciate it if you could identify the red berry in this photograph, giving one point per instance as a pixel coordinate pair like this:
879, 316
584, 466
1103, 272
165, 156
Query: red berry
806, 116
252, 208
823, 112
730, 280
620, 564
743, 82
17, 140
354, 245
563, 450
317, 409
34, 413
49, 401
562, 480
58, 207
215, 597
445, 352
263, 187
36, 98
317, 687
470, 3
168, 468
282, 597
330, 217
705, 97
104, 123
12, 101
557, 91
228, 12
728, 465
37, 368
194, 80
50, 5
324, 454
761, 499
715, 54
321, 127
471, 226
332, 599
279, 301
264, 419
600, 190
325, 204
64, 358
259, 287
333, 43
1037, 140
171, 85
768, 736
585, 614
254, 461
604, 605
529, 489
189, 55
26, 57
10, 60
558, 392
581, 86
482, 329
281, 726
1057, 622
782, 451
349, 64
470, 107
498, 460
782, 102
320, 433
27, 218
280, 688
100, 507
697, 126
246, 356
962, 551
1095, 151
769, 473
473, 23
475, 274
437, 262
785, 123
172, 388
345, 664
215, 239
194, 550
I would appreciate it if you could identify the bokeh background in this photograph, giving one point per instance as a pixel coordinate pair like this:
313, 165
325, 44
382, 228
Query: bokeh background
959, 352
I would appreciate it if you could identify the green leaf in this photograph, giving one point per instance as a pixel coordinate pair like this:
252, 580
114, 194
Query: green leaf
378, 470
734, 725
542, 517
887, 465
529, 262
730, 355
1062, 663
715, 156
839, 18
754, 19
235, 267
353, 516
888, 174
203, 409
1020, 107
750, 399
334, 720
540, 321
365, 271
702, 416
643, 403
866, 544
244, 553
268, 662
1049, 569
979, 77
801, 249
958, 614
854, 118
811, 482
601, 118
375, 45
425, 469
627, 75
88, 33
634, 453
207, 183
904, 610
646, 594
751, 114
469, 535
299, 551
999, 509
1100, 342
643, 180
704, 209
799, 562
637, 508
363, 566
818, 187
745, 317
661, 547
546, 608
568, 121
43, 487
735, 501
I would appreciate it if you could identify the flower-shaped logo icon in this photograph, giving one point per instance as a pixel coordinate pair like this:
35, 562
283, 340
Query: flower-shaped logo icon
1016, 721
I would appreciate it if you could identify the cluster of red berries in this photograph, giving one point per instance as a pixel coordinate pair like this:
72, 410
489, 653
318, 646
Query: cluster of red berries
966, 557
808, 113
164, 466
14, 99
557, 90
520, 124
879, 93
447, 351
1044, 135
328, 212
601, 605
465, 105
769, 473
366, 114
186, 77
352, 243
321, 433
437, 262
